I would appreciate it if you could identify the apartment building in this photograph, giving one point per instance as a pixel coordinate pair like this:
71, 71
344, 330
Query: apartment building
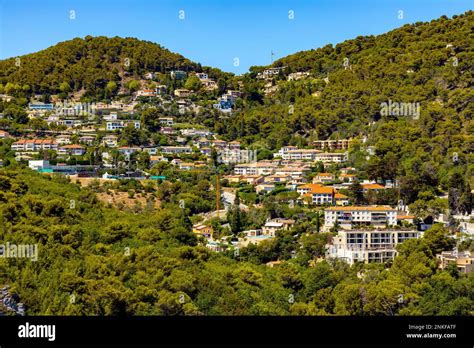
340, 144
368, 245
295, 154
193, 132
257, 168
294, 172
73, 150
464, 261
317, 194
32, 145
115, 125
352, 216
305, 189
236, 155
284, 150
176, 149
331, 157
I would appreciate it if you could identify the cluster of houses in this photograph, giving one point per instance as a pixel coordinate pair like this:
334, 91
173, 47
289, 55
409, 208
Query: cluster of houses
227, 101
183, 142
255, 236
362, 233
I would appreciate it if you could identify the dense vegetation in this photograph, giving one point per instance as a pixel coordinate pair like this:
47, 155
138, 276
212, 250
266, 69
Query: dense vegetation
92, 64
97, 260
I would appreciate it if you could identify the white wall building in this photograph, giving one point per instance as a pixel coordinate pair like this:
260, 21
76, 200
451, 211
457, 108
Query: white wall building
349, 216
368, 245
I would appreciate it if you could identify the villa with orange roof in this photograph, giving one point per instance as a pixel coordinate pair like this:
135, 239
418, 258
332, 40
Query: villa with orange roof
317, 194
4, 134
341, 199
372, 187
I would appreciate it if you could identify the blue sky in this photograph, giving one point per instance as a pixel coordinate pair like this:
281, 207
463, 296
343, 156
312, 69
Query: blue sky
213, 32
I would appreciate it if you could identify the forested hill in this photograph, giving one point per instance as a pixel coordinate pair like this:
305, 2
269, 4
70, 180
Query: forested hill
90, 63
421, 47
426, 63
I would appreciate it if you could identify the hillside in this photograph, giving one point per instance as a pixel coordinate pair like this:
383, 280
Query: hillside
90, 63
427, 64
132, 247
95, 260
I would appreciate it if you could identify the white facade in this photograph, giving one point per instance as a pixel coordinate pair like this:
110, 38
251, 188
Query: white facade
327, 157
348, 216
36, 165
368, 246
176, 149
114, 125
254, 169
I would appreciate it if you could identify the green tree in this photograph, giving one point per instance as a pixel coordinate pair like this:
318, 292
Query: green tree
356, 193
193, 83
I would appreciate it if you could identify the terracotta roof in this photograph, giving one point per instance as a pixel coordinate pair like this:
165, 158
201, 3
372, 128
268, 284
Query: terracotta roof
35, 141
373, 186
310, 186
403, 217
321, 190
73, 146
